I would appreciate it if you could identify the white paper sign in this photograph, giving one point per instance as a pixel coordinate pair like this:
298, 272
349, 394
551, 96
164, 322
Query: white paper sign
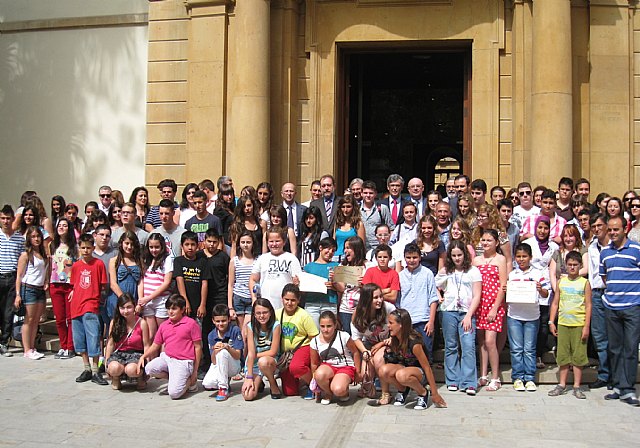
312, 283
522, 291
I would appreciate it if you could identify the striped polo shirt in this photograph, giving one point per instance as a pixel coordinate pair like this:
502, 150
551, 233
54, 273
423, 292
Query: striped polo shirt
621, 266
10, 249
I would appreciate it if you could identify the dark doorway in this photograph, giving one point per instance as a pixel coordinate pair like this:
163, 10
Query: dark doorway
404, 112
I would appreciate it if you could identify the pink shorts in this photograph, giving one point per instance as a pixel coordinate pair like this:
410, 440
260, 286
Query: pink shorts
347, 370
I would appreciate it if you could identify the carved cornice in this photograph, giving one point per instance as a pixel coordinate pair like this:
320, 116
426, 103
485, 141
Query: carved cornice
198, 3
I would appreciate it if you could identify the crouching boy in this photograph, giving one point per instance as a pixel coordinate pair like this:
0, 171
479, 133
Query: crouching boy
181, 336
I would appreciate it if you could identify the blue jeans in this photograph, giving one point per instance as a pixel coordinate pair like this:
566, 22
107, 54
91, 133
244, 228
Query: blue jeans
623, 329
522, 341
599, 333
459, 370
428, 340
315, 309
345, 321
86, 334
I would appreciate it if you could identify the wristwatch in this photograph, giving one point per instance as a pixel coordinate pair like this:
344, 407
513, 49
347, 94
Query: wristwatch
550, 322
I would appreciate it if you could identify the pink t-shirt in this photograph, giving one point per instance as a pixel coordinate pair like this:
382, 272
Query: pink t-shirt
178, 338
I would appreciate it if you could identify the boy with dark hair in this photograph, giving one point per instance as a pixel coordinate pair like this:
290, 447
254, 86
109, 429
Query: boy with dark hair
217, 262
167, 189
565, 189
88, 278
182, 340
478, 192
573, 306
203, 220
226, 346
418, 296
11, 246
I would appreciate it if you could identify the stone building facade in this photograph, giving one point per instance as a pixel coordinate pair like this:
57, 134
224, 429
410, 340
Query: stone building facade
260, 89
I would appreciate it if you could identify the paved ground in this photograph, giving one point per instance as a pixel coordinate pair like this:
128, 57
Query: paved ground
41, 406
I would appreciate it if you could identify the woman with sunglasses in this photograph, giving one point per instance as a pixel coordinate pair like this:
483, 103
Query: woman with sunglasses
634, 209
627, 197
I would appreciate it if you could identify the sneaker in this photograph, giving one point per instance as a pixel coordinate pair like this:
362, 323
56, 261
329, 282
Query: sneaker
325, 401
519, 385
612, 396
223, 394
558, 390
97, 378
452, 388
68, 354
37, 353
344, 399
84, 376
632, 400
579, 394
531, 386
471, 391
401, 397
597, 384
309, 395
4, 351
101, 367
59, 354
421, 403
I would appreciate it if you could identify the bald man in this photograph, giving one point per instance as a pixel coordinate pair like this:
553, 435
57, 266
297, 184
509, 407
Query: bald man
294, 209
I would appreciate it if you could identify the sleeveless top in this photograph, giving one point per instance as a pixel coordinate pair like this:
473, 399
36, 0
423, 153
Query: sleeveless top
341, 237
242, 274
134, 343
128, 278
36, 272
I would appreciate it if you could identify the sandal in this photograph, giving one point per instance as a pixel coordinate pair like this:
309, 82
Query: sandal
385, 398
238, 377
483, 381
494, 385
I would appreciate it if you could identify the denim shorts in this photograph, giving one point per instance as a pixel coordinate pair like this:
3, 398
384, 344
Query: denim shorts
242, 305
86, 334
31, 295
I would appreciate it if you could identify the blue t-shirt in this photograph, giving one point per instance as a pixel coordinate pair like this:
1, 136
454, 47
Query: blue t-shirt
321, 270
233, 337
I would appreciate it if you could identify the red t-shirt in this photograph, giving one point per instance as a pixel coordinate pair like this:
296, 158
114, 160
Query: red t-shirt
178, 338
388, 279
87, 280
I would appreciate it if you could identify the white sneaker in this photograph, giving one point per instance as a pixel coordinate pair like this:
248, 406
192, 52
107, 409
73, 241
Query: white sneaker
519, 385
37, 353
531, 386
31, 355
60, 353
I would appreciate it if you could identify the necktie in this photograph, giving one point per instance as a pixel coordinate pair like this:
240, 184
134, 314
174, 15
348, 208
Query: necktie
327, 207
290, 217
394, 211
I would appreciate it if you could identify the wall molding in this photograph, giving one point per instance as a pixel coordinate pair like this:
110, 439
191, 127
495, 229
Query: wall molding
74, 22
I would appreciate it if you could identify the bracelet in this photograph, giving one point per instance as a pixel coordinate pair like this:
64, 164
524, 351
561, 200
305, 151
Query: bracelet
247, 377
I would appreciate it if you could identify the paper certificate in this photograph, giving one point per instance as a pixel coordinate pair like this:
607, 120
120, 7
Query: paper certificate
349, 275
312, 283
522, 291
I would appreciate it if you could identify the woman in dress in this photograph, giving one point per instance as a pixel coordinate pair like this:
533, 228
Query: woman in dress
348, 223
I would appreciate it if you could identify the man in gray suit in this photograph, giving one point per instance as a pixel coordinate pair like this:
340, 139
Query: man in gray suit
294, 209
328, 203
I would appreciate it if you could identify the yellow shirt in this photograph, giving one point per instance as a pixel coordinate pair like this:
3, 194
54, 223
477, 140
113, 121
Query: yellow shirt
296, 328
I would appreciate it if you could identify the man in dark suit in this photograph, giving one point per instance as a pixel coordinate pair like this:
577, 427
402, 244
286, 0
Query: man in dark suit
328, 203
416, 188
395, 184
294, 209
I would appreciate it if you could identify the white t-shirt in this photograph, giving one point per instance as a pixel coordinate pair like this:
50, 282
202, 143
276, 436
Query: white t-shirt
458, 288
338, 354
275, 273
374, 333
527, 311
520, 215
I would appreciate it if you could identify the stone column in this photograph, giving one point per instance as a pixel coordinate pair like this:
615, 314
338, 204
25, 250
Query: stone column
551, 122
247, 156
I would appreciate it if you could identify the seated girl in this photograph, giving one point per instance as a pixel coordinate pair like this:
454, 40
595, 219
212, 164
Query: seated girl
128, 339
263, 343
406, 365
335, 359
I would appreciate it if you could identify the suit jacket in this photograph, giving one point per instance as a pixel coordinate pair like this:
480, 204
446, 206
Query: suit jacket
299, 210
387, 201
408, 200
328, 222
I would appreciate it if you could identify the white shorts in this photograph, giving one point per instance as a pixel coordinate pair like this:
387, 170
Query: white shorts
156, 308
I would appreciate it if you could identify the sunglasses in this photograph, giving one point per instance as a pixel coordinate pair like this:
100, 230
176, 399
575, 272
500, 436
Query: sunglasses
105, 195
634, 206
524, 193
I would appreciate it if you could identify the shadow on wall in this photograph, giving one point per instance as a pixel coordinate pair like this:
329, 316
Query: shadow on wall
72, 111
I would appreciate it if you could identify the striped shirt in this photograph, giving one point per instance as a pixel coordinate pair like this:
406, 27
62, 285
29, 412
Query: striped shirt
154, 279
10, 249
621, 268
242, 274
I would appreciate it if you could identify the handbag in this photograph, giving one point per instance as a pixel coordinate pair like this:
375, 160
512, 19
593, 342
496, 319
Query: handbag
285, 357
367, 387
